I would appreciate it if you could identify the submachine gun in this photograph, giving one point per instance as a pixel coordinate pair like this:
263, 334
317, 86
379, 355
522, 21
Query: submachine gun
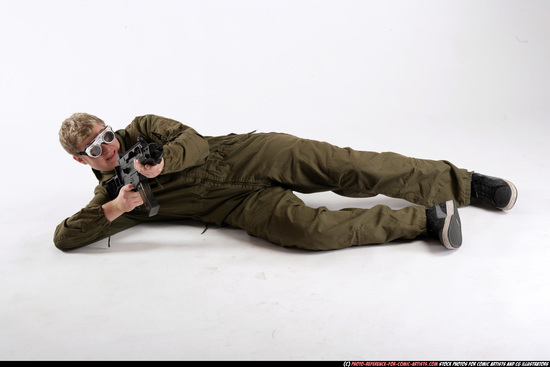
146, 153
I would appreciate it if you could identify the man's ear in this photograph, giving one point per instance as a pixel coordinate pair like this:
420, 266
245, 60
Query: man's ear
79, 160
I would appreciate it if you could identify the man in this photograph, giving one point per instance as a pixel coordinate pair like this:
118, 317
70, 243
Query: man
248, 181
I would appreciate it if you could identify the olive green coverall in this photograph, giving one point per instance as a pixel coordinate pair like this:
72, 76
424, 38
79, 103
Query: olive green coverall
247, 181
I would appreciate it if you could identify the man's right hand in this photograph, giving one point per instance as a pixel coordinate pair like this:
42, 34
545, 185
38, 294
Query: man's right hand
126, 201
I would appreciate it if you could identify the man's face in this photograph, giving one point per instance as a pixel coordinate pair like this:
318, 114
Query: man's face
107, 160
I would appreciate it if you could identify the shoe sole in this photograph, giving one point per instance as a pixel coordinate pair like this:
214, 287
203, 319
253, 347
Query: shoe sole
513, 196
451, 234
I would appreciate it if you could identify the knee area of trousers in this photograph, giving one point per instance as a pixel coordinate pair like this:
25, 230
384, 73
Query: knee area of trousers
316, 234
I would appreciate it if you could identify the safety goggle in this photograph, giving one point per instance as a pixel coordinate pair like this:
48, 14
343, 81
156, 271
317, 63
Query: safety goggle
93, 150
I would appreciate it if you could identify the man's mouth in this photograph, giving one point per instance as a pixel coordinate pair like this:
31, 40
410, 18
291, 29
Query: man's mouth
111, 156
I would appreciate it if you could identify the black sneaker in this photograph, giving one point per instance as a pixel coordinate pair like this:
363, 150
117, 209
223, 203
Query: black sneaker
443, 223
497, 192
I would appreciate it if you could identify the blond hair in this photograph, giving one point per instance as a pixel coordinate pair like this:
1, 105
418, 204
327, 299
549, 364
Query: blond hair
75, 129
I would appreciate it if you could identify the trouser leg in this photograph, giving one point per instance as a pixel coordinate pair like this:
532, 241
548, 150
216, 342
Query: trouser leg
420, 181
312, 166
277, 215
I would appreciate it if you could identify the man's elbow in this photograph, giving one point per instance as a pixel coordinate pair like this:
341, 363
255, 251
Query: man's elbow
63, 245
64, 242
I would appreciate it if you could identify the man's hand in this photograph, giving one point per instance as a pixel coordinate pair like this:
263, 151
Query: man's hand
148, 170
126, 201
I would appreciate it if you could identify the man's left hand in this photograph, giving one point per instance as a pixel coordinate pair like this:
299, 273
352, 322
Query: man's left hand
148, 170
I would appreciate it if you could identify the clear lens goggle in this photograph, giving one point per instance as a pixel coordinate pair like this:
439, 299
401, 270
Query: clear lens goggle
106, 136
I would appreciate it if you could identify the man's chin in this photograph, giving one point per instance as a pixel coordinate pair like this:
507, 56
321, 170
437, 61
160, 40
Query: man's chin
110, 165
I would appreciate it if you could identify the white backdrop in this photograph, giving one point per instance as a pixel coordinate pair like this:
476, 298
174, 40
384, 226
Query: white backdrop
464, 80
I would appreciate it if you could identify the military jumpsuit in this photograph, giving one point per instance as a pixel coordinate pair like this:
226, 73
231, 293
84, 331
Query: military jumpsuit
248, 181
